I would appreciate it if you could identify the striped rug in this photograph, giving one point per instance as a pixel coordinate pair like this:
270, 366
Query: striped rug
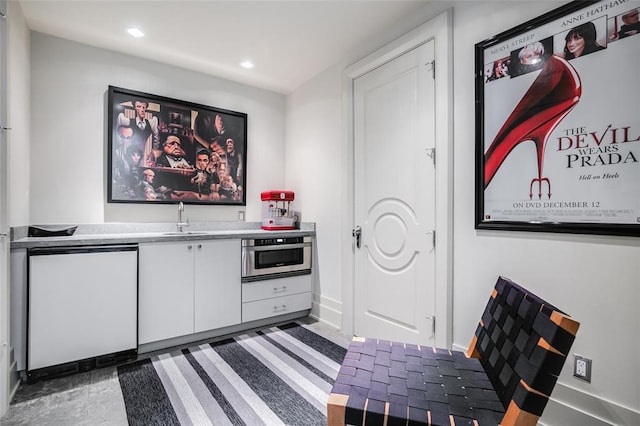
277, 376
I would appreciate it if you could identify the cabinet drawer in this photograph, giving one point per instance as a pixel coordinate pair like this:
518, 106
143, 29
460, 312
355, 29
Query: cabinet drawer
276, 306
279, 287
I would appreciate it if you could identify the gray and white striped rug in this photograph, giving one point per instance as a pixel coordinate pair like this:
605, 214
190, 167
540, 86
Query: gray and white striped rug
277, 376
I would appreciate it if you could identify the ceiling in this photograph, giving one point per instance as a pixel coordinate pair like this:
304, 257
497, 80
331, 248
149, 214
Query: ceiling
288, 41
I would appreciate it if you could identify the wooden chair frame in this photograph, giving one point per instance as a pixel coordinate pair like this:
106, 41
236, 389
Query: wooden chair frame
519, 348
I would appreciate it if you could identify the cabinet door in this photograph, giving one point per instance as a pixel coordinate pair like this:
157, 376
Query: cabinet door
81, 305
166, 291
218, 284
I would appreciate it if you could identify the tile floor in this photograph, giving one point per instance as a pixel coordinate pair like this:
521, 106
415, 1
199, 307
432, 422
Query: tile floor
90, 398
86, 399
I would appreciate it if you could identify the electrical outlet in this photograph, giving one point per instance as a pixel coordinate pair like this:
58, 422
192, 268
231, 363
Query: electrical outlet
582, 367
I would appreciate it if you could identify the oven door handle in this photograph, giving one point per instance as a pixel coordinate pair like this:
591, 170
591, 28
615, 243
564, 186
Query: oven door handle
277, 247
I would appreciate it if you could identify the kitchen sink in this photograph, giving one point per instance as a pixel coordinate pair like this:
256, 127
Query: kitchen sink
185, 233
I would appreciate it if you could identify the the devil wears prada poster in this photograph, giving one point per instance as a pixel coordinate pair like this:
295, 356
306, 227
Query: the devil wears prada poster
558, 122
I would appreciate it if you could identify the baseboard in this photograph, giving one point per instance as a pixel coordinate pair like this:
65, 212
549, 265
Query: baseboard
147, 349
571, 406
327, 310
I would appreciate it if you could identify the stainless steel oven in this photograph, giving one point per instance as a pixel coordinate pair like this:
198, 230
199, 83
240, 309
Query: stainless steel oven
267, 258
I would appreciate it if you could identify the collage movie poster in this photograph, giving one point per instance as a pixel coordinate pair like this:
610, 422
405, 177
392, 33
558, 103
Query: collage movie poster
164, 150
561, 125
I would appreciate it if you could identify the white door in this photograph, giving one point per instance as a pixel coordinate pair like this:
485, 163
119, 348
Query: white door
4, 221
394, 133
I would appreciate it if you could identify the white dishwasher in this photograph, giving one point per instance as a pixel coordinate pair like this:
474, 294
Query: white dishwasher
82, 308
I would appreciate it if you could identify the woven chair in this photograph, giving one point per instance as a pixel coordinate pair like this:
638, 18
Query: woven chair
505, 377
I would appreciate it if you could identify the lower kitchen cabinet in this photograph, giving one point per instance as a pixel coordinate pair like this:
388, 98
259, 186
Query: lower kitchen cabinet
165, 307
217, 287
81, 305
188, 287
269, 298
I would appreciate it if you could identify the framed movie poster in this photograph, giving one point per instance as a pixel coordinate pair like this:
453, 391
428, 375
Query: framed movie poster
163, 150
557, 122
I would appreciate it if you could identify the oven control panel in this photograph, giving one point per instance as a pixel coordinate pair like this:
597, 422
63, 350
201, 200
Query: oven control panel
277, 241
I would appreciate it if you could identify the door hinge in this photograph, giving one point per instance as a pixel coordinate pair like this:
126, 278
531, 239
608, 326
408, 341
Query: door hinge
432, 64
431, 152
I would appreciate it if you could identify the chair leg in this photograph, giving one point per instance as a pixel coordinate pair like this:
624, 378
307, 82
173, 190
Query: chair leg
514, 416
336, 409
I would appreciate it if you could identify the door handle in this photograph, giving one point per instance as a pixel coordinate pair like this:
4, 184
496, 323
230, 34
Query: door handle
432, 318
357, 234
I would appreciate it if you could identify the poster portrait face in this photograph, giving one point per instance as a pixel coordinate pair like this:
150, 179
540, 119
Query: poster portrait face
174, 143
582, 39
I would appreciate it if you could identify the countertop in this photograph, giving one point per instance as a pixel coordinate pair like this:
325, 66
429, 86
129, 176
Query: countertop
121, 233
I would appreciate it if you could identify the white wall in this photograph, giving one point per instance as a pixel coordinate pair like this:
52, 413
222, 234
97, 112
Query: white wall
315, 165
595, 279
69, 83
19, 75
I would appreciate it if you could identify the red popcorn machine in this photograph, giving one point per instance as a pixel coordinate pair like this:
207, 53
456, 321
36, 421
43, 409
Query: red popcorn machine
277, 210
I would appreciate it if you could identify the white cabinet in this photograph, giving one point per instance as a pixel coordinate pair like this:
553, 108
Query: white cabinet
217, 285
269, 298
18, 291
188, 287
82, 304
166, 291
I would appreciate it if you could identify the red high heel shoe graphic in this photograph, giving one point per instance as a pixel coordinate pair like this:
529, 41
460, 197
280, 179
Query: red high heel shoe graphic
552, 95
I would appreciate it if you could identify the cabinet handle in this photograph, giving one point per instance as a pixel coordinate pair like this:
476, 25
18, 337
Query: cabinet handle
189, 247
279, 290
199, 246
280, 309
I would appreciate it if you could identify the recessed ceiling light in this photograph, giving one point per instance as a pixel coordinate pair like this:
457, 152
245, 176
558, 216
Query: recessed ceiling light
135, 32
246, 64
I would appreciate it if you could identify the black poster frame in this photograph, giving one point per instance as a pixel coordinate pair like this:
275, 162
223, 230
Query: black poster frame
165, 151
595, 185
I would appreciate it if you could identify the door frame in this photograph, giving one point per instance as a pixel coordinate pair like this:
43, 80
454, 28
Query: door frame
5, 349
438, 28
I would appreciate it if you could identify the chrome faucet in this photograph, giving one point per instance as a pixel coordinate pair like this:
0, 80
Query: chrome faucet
180, 223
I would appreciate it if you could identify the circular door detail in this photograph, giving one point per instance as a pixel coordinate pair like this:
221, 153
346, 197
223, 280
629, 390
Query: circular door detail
391, 235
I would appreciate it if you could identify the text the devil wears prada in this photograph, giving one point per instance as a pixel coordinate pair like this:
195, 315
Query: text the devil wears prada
599, 148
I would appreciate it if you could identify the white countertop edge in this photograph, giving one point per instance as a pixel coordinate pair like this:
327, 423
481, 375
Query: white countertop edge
203, 231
